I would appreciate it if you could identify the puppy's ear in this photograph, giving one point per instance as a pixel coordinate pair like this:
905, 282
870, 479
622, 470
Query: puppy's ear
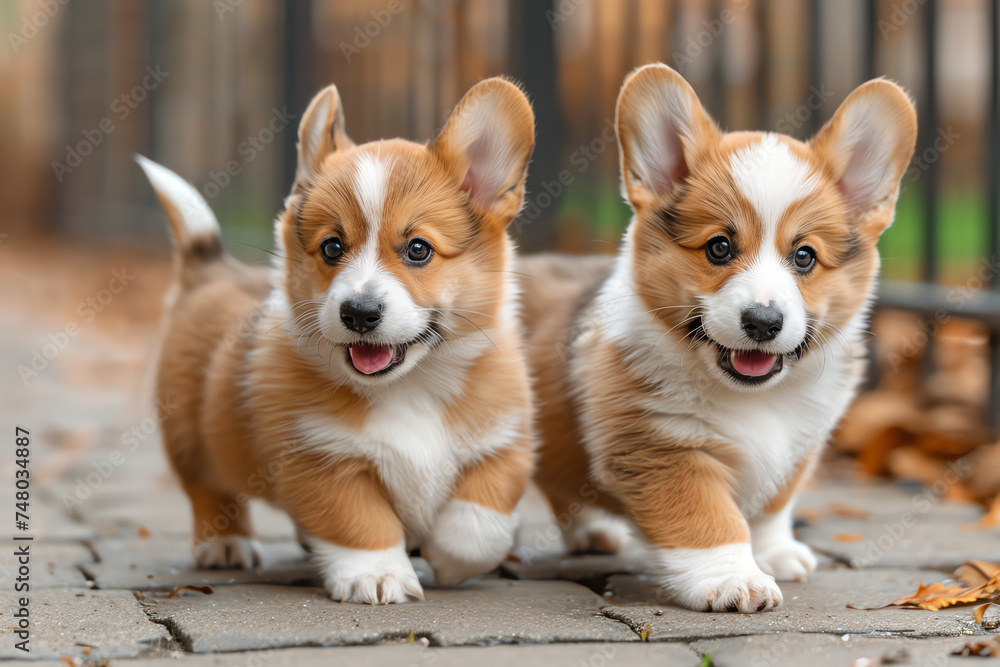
662, 129
867, 145
321, 132
486, 145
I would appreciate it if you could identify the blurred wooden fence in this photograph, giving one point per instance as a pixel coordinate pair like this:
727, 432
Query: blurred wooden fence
230, 78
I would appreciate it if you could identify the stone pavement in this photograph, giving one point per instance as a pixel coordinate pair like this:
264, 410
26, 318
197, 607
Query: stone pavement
111, 534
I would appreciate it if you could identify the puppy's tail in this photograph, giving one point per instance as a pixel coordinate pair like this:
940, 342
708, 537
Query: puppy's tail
192, 223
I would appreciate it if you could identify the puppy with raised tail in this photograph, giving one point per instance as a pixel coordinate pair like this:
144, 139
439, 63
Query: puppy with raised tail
372, 384
690, 383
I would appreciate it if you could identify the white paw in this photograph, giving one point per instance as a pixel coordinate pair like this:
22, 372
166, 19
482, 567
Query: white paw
596, 532
467, 540
787, 561
367, 577
723, 578
228, 551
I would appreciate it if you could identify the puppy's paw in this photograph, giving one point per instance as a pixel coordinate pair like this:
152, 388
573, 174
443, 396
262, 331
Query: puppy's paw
228, 552
787, 561
723, 578
367, 577
467, 540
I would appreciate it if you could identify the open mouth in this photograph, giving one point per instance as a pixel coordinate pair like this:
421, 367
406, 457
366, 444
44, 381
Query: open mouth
749, 366
375, 359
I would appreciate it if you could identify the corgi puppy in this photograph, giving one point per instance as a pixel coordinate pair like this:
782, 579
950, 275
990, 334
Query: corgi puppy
372, 384
690, 383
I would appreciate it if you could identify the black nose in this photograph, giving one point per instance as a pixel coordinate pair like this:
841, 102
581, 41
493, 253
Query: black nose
360, 315
762, 322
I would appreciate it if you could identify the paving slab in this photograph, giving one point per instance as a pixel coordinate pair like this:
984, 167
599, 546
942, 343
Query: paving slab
575, 568
635, 654
904, 540
480, 612
834, 651
50, 520
111, 622
56, 564
158, 562
886, 499
816, 606
167, 513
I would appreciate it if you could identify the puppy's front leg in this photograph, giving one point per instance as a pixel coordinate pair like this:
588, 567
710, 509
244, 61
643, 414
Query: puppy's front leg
774, 546
352, 530
475, 530
681, 500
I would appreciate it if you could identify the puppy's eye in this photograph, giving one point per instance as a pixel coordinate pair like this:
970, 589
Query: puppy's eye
418, 251
332, 249
719, 250
804, 259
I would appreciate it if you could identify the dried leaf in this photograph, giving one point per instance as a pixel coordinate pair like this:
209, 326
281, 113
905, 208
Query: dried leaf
980, 612
68, 661
938, 596
143, 531
976, 572
176, 592
988, 648
848, 537
848, 511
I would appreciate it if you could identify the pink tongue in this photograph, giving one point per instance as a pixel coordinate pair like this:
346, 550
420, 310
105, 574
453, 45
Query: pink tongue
752, 363
370, 359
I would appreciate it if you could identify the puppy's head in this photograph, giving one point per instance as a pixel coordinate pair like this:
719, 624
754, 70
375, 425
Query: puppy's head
755, 246
394, 248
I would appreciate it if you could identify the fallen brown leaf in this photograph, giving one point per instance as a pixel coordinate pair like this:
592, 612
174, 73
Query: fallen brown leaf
976, 572
848, 537
980, 612
988, 648
143, 531
848, 511
985, 587
176, 592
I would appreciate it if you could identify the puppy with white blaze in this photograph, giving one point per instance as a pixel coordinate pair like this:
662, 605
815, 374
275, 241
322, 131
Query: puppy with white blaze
691, 382
372, 383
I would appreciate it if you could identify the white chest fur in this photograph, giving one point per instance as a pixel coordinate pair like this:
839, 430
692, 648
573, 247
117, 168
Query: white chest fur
418, 457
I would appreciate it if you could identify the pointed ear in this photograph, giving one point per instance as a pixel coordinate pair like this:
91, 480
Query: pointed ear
662, 128
486, 144
867, 145
321, 132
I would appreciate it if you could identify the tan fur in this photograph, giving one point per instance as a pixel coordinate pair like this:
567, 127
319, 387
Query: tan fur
803, 471
679, 491
245, 379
